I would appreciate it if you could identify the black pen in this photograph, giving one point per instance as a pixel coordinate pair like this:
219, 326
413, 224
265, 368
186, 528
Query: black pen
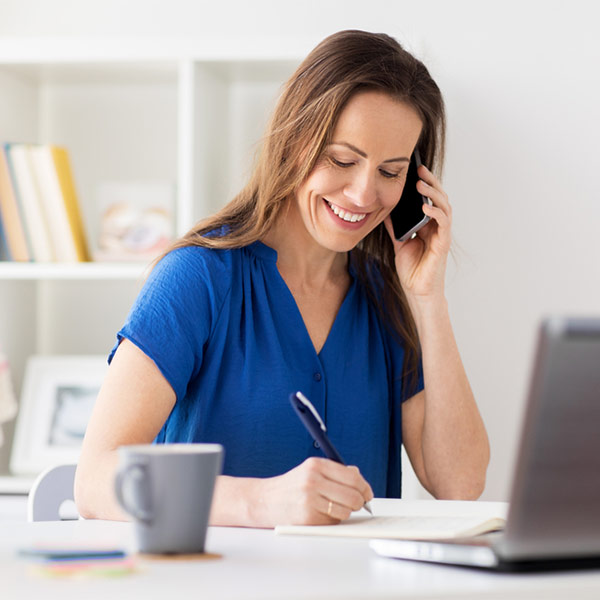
314, 424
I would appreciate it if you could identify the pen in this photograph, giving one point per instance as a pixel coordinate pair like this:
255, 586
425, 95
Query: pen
314, 424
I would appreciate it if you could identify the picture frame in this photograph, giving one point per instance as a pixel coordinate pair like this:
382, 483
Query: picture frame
135, 219
56, 403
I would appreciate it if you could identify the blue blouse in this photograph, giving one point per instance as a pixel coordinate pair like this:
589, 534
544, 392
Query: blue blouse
225, 331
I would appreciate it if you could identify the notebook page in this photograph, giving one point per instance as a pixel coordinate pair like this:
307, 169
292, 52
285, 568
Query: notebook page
416, 527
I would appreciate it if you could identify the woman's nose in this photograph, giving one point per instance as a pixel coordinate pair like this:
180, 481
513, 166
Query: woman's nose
361, 190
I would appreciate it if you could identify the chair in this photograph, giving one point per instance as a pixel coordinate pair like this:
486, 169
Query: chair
52, 489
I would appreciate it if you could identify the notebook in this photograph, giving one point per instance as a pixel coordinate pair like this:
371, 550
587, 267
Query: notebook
413, 526
553, 519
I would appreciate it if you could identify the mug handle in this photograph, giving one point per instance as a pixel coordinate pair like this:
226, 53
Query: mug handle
139, 472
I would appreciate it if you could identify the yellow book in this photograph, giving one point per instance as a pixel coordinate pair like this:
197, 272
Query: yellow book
67, 185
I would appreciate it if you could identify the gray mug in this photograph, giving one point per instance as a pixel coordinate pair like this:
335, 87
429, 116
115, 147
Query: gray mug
168, 490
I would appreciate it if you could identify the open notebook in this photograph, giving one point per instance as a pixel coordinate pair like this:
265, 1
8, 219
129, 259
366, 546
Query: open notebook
417, 520
407, 528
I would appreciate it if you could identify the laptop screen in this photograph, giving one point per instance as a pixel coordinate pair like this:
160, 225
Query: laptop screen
555, 500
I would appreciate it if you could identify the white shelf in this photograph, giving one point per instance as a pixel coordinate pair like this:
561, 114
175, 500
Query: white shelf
217, 48
77, 271
98, 73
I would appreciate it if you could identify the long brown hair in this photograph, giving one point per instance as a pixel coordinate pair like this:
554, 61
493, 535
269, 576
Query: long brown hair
301, 127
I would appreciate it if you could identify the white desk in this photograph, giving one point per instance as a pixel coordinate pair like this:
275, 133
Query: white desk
12, 508
258, 564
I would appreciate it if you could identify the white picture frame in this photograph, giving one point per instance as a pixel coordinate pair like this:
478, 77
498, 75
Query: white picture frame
57, 399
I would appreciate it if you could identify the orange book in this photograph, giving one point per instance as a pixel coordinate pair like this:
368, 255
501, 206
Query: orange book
10, 212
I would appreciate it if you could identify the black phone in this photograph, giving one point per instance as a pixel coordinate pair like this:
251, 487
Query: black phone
407, 215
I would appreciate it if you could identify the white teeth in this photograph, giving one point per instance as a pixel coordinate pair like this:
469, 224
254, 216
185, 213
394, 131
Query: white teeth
346, 216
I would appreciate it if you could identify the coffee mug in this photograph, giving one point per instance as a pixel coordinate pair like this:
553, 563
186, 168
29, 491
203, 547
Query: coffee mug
168, 490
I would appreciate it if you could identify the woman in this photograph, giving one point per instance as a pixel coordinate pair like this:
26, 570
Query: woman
298, 284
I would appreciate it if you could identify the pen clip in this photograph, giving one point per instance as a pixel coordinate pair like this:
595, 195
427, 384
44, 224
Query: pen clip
312, 409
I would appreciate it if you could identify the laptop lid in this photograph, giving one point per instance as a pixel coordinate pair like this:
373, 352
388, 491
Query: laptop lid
554, 510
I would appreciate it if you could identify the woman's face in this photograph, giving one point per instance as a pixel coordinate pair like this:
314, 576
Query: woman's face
360, 176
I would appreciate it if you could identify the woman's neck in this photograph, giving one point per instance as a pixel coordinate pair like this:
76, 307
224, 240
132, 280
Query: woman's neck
300, 259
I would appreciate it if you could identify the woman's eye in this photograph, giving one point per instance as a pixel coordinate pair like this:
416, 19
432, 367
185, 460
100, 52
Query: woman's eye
389, 175
339, 163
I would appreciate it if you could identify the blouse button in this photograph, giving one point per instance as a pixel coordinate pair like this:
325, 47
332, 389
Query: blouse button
317, 376
316, 445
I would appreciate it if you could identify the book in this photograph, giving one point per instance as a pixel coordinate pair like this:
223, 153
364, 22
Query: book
67, 185
18, 200
12, 223
33, 209
63, 242
4, 250
408, 527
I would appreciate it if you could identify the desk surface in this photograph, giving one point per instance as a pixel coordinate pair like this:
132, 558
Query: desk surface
259, 564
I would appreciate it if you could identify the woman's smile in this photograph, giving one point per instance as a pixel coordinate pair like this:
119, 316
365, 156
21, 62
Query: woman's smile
345, 215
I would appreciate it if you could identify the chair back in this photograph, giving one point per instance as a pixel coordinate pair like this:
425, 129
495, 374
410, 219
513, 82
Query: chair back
49, 491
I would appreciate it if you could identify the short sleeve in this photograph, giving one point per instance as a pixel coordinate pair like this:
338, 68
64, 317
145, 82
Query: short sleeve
172, 317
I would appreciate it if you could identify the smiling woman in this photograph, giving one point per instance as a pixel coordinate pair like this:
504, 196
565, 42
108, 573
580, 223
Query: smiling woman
299, 284
360, 175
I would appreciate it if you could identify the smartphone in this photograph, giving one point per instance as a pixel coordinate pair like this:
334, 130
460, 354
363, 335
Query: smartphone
408, 216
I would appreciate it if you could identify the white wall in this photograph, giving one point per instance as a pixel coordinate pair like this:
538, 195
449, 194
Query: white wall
521, 81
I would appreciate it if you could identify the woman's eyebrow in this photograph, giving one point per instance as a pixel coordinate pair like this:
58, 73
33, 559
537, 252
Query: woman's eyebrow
364, 154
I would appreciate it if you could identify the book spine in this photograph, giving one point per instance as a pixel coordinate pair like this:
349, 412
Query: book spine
19, 202
33, 210
11, 217
51, 193
71, 202
5, 254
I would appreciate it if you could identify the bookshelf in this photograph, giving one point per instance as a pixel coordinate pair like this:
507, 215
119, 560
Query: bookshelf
187, 112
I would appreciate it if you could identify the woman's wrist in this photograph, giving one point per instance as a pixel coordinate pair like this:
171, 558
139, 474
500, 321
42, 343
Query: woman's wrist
234, 502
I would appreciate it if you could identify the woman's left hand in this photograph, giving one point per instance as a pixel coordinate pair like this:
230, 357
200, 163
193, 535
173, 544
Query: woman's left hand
421, 261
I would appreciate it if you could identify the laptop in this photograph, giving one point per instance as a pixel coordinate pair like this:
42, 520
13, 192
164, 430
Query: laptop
553, 520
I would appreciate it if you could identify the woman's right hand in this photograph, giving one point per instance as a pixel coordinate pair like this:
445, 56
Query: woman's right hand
317, 492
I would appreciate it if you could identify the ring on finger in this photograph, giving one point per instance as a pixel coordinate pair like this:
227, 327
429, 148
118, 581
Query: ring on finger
329, 507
